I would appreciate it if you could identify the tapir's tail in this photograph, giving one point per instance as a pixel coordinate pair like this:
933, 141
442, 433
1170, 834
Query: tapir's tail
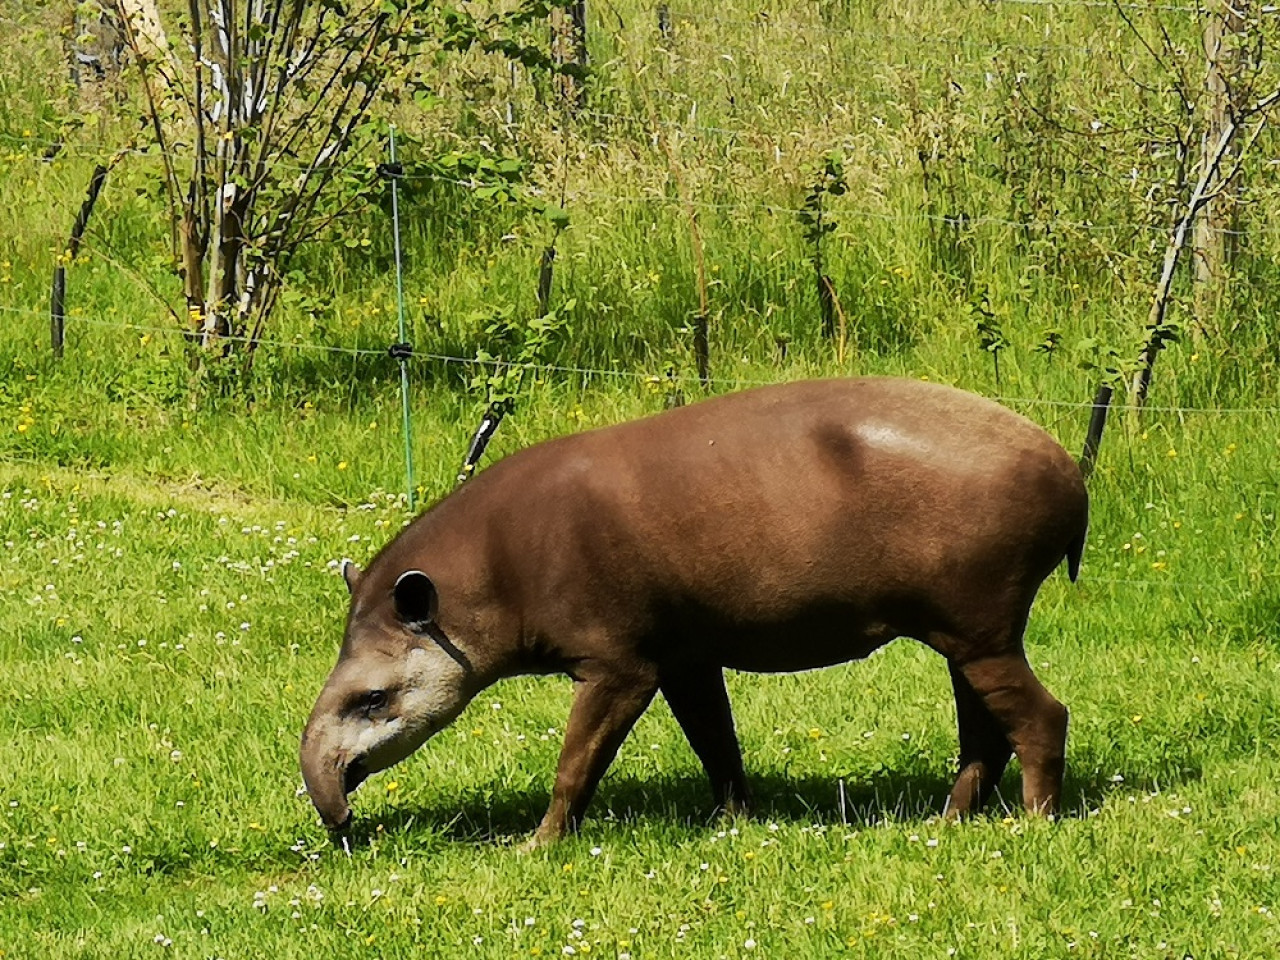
1075, 550
1079, 506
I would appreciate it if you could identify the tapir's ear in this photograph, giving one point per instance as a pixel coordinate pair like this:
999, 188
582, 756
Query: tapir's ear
351, 573
415, 599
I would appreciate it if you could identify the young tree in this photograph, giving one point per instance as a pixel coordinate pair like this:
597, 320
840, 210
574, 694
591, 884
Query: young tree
259, 110
1223, 121
1201, 94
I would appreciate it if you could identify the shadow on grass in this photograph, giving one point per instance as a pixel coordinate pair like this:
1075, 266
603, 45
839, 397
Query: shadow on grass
493, 813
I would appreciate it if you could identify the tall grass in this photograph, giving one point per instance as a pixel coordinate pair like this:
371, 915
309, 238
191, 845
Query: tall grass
939, 111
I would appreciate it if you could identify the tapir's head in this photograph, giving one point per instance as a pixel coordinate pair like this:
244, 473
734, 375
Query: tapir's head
399, 679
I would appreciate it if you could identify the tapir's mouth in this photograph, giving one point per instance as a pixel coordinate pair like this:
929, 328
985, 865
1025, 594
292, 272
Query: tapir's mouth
354, 775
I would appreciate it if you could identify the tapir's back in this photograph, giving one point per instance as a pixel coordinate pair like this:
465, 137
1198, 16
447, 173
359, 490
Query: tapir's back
801, 510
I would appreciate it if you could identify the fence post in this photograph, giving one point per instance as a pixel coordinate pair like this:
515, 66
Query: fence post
58, 297
480, 439
1093, 436
402, 350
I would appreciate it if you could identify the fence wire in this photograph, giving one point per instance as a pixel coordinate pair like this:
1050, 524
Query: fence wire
600, 372
693, 129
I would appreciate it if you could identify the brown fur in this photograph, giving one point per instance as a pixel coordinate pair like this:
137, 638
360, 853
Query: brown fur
779, 529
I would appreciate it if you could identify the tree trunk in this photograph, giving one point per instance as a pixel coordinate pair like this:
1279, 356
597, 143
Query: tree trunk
569, 46
1211, 243
142, 19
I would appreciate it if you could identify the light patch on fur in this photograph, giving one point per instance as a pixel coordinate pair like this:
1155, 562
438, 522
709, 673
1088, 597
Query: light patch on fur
430, 693
434, 690
365, 738
891, 438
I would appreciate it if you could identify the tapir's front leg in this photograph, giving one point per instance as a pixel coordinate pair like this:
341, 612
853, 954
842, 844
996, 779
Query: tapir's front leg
609, 698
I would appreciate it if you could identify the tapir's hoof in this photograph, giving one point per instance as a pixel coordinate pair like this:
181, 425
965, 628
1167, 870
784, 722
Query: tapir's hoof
539, 841
951, 813
734, 809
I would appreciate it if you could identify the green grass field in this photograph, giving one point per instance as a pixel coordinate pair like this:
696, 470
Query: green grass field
170, 600
163, 639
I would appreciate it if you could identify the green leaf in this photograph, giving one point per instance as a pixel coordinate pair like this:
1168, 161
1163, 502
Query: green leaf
557, 215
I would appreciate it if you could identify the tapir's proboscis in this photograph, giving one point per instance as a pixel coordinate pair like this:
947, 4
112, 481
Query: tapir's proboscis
778, 529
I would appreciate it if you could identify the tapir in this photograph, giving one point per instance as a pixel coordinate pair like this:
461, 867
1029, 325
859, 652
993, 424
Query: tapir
777, 529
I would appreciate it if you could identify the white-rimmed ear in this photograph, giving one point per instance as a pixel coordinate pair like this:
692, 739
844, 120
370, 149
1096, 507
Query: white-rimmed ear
351, 573
415, 599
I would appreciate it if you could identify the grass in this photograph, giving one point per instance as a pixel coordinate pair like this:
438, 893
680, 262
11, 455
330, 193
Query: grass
170, 604
163, 640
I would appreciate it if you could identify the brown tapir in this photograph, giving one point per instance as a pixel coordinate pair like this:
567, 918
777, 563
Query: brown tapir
779, 529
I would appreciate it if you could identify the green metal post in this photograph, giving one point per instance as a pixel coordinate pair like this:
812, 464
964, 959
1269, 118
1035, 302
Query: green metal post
404, 359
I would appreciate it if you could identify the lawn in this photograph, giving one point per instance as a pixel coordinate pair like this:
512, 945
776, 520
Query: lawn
163, 639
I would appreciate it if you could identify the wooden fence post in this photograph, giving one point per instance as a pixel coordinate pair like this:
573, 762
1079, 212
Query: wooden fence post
58, 298
1093, 436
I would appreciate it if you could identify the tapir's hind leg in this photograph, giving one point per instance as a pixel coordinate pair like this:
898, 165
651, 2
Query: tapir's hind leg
984, 750
700, 703
608, 699
1034, 722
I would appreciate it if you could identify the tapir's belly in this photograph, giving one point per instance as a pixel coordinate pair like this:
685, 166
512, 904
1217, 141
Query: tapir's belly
789, 656
820, 636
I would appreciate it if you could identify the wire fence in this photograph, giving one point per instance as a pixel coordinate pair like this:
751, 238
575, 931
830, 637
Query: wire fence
600, 372
761, 141
1225, 584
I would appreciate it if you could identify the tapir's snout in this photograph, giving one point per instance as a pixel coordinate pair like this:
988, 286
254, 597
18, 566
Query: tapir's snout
381, 703
329, 777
